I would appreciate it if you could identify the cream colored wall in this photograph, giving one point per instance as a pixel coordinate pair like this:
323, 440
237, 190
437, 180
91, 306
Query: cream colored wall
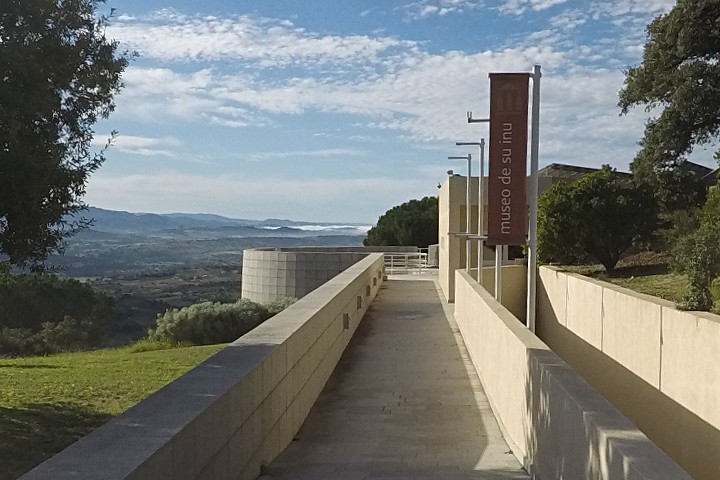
514, 291
556, 424
240, 408
452, 218
658, 365
452, 253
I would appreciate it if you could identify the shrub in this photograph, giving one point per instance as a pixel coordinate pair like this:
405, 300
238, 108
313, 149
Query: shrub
30, 300
16, 341
41, 314
698, 256
69, 335
279, 304
209, 323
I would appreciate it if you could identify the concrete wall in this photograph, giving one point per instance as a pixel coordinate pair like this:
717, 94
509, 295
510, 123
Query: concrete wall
451, 250
452, 208
658, 365
514, 291
237, 410
270, 273
555, 423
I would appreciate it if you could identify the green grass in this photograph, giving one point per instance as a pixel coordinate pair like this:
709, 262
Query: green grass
46, 403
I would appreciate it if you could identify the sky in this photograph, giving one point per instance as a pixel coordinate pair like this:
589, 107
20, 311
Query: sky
337, 110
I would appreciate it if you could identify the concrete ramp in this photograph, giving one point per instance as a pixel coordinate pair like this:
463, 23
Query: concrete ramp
404, 402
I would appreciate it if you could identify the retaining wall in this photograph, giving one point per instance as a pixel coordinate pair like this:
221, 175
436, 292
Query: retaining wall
237, 410
555, 422
658, 365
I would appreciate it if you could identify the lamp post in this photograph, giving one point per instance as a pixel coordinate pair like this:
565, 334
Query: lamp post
532, 240
481, 205
468, 157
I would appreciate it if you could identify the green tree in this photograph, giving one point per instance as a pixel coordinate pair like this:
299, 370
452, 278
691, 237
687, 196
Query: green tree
680, 73
412, 223
697, 255
598, 216
58, 76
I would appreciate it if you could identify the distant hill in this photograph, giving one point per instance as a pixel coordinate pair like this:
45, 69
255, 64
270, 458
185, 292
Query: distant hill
112, 221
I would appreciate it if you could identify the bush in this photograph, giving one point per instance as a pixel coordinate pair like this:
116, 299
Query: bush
30, 300
69, 335
17, 341
698, 256
279, 304
41, 314
209, 323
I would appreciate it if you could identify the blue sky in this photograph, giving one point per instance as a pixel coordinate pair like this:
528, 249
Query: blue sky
337, 110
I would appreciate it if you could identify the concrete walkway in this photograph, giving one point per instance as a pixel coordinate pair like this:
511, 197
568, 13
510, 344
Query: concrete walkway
403, 403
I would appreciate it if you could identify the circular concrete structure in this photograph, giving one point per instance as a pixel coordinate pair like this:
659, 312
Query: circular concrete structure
270, 273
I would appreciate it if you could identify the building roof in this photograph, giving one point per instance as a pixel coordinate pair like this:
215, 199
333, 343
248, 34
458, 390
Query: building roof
700, 170
569, 172
711, 178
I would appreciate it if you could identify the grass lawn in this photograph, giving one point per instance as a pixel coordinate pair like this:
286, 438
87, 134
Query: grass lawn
46, 403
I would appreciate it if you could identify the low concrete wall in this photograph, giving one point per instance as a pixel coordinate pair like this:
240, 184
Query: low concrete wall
555, 423
657, 365
514, 287
270, 273
239, 409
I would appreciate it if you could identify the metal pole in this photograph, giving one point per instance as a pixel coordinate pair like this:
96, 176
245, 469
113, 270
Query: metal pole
532, 240
481, 213
468, 212
498, 272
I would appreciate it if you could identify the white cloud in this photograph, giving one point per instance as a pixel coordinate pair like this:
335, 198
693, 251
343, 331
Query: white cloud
518, 7
422, 97
617, 8
321, 153
154, 94
137, 145
169, 36
425, 8
569, 19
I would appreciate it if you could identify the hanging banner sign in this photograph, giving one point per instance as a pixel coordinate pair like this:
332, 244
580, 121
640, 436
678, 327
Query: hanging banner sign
507, 201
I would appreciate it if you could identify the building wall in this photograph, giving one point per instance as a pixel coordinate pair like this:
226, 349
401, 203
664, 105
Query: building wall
658, 365
451, 251
514, 288
554, 421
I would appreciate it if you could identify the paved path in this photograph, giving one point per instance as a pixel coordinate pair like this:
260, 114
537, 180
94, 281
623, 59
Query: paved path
403, 403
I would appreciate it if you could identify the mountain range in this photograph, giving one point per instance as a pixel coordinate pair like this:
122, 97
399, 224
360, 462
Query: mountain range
113, 221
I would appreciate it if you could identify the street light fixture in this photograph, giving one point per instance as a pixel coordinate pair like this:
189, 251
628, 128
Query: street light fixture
481, 202
467, 157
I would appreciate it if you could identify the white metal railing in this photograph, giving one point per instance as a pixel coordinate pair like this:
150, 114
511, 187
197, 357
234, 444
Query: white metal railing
410, 262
